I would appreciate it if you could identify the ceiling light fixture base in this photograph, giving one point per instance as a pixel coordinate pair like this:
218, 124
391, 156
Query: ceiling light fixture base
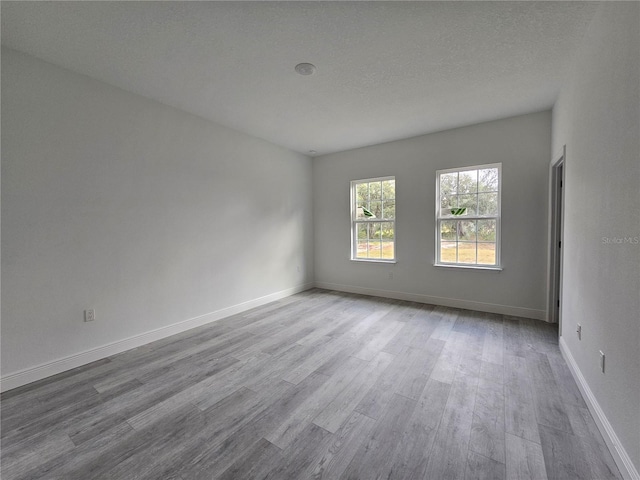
305, 68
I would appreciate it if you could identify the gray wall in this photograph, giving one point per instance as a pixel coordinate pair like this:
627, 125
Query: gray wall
596, 116
520, 143
149, 215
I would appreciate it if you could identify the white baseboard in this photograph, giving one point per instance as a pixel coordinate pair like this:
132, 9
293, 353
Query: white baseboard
38, 372
620, 455
443, 301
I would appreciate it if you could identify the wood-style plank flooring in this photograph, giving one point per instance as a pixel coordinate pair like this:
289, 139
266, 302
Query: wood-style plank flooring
320, 385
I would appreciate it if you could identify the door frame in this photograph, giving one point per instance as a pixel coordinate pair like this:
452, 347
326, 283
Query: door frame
557, 187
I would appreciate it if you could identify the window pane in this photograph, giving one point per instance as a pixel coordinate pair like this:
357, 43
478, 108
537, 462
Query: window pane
448, 229
362, 194
487, 203
469, 202
468, 182
448, 183
388, 189
375, 231
389, 209
486, 230
375, 190
375, 247
466, 252
362, 243
375, 207
362, 231
388, 240
447, 202
488, 180
448, 252
487, 253
361, 249
467, 230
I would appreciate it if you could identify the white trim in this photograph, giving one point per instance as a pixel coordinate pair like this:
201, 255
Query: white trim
554, 235
443, 301
38, 372
372, 260
374, 179
620, 455
468, 266
470, 167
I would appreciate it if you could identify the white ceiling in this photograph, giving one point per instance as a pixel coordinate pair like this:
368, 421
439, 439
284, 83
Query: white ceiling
385, 70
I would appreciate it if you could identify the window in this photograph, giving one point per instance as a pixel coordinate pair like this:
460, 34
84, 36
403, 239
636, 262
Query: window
468, 216
373, 219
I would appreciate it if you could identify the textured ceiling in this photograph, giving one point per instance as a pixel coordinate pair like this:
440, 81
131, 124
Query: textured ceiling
385, 70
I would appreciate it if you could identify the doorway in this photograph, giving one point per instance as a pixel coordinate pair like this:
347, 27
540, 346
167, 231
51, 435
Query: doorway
556, 222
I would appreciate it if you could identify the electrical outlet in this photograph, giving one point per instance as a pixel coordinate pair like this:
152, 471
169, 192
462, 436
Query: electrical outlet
602, 361
579, 332
390, 275
89, 315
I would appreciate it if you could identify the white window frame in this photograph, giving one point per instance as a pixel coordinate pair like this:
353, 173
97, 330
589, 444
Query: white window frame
497, 218
355, 222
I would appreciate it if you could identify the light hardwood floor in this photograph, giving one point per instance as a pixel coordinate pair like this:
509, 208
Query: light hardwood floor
320, 385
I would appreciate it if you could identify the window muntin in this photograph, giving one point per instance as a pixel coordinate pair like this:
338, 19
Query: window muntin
373, 214
468, 216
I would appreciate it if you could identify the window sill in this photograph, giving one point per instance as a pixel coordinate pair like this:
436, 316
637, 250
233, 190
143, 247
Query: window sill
469, 267
371, 260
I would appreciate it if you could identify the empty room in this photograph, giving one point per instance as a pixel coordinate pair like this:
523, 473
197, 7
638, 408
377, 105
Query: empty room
320, 240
